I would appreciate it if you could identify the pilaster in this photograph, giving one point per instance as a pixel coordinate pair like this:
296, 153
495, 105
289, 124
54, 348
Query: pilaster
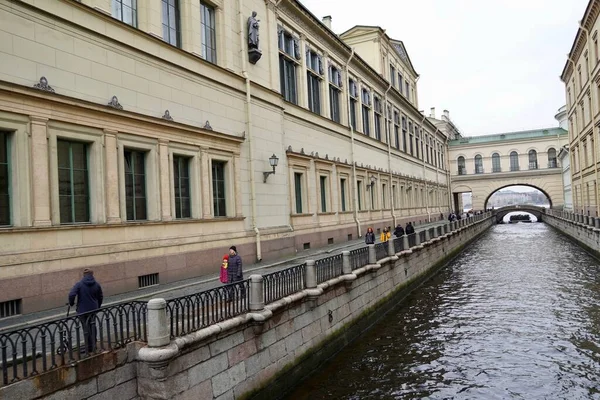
190, 26
150, 17
238, 178
302, 83
165, 187
111, 186
205, 179
326, 104
40, 171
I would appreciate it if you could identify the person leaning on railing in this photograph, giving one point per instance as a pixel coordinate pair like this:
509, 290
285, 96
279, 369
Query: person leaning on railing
89, 298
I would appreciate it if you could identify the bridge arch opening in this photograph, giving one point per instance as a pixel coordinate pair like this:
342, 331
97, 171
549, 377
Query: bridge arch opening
521, 194
519, 217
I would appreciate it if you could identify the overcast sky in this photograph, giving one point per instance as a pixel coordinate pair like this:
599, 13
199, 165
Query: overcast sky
494, 64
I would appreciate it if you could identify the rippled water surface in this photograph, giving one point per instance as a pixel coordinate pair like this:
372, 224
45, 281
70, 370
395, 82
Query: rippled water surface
516, 316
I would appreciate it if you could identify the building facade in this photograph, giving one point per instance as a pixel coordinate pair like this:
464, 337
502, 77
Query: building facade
581, 76
142, 139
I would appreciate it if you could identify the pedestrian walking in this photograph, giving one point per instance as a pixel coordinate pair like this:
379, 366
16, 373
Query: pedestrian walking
234, 267
410, 229
399, 231
89, 297
223, 275
370, 236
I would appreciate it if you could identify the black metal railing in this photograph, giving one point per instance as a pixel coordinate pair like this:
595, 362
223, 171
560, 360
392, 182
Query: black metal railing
421, 236
282, 283
412, 240
431, 232
381, 250
399, 244
30, 351
359, 257
196, 311
328, 268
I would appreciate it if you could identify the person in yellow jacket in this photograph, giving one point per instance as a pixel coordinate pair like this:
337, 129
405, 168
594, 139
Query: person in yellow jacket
385, 235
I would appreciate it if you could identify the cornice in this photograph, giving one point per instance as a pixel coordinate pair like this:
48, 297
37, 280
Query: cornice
589, 18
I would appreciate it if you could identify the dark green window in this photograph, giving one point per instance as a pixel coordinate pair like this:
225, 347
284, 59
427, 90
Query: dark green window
218, 180
208, 29
298, 191
135, 185
343, 193
323, 181
181, 175
73, 185
359, 190
4, 180
170, 22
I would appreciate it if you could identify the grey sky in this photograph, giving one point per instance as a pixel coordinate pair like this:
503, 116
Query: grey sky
494, 64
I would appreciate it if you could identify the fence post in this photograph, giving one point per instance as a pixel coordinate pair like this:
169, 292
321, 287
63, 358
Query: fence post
597, 223
346, 265
311, 274
257, 293
391, 249
417, 238
372, 254
405, 242
158, 325
427, 236
446, 228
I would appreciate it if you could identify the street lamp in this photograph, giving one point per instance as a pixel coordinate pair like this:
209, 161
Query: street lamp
273, 161
373, 179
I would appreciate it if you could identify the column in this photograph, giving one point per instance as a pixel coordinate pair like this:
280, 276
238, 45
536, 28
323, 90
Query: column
224, 49
326, 105
111, 184
205, 174
238, 178
100, 5
150, 17
189, 12
270, 44
302, 84
164, 175
40, 172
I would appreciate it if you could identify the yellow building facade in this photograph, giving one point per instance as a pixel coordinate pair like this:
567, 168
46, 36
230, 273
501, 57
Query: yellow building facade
137, 138
581, 76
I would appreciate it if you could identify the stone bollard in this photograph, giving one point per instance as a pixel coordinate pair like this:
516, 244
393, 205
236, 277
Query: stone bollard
405, 242
346, 265
372, 254
311, 274
427, 235
257, 293
158, 326
391, 248
446, 228
417, 238
586, 219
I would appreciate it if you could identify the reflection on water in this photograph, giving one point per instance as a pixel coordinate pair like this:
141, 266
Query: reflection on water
516, 316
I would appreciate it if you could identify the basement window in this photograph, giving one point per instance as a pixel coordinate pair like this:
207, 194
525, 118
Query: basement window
10, 308
147, 280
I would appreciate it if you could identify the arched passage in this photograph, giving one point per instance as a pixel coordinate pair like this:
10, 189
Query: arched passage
486, 206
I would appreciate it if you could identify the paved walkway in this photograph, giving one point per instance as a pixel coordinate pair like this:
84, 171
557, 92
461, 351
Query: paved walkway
196, 284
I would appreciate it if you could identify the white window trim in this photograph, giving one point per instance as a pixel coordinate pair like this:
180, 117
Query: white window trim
327, 174
151, 170
193, 153
230, 192
349, 205
94, 139
304, 188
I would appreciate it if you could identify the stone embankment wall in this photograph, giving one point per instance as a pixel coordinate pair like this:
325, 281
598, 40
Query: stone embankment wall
583, 229
261, 353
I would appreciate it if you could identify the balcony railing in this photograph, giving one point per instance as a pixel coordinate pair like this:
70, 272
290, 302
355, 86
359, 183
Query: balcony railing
479, 169
533, 165
462, 170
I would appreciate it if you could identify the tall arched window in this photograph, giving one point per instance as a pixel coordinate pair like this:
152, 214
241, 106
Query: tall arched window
478, 164
533, 159
496, 163
552, 158
514, 161
462, 169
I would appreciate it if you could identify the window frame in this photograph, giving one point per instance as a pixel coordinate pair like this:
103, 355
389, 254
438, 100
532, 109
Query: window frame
195, 160
461, 164
496, 162
514, 161
72, 169
117, 7
288, 65
210, 56
5, 137
324, 191
175, 8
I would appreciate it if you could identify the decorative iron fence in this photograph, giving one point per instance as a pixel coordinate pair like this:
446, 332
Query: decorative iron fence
29, 351
399, 244
412, 240
196, 311
381, 250
328, 268
359, 257
285, 282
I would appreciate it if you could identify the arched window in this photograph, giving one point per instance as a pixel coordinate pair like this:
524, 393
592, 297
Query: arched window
462, 170
496, 163
533, 159
478, 164
552, 158
514, 161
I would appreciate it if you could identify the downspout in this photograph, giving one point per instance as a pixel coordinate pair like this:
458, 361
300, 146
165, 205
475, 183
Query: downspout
389, 146
571, 163
356, 220
424, 177
594, 128
249, 132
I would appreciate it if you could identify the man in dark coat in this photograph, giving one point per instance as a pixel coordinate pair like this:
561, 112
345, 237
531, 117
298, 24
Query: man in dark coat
234, 273
399, 231
89, 298
409, 229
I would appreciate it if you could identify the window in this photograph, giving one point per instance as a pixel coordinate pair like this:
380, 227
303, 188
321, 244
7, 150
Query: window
335, 89
411, 132
496, 163
394, 197
298, 191
552, 158
595, 47
400, 83
462, 169
359, 189
533, 159
478, 164
288, 56
366, 111
125, 11
170, 22
377, 106
323, 187
353, 96
392, 75
397, 129
314, 69
218, 181
407, 94
4, 180
404, 141
181, 182
135, 185
417, 136
73, 189
514, 161
208, 28
585, 154
383, 202
343, 193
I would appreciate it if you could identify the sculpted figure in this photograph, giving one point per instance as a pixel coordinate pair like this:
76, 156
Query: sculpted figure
253, 31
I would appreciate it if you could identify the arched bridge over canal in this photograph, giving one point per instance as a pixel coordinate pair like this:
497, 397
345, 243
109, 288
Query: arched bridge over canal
536, 211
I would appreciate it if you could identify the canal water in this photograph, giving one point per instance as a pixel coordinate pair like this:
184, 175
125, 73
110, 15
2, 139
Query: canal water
515, 316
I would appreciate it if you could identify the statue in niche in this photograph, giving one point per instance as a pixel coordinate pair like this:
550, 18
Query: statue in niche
254, 53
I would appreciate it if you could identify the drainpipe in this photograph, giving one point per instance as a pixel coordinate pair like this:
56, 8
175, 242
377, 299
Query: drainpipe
356, 220
389, 146
572, 164
249, 131
594, 129
424, 177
